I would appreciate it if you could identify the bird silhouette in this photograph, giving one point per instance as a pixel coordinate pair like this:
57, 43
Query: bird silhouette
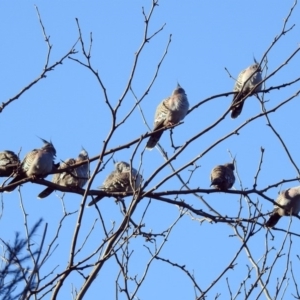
169, 112
290, 201
73, 178
9, 162
122, 179
38, 162
246, 81
222, 177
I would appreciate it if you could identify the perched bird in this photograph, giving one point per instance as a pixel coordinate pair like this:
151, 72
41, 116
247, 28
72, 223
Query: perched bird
73, 178
222, 177
9, 162
290, 201
246, 81
169, 112
120, 180
38, 162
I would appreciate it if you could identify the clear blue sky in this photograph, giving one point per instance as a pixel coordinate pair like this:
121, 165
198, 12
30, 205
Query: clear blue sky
68, 107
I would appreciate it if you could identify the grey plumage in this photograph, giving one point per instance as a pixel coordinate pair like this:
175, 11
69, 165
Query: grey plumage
120, 180
73, 178
38, 162
222, 177
290, 201
9, 162
169, 112
246, 81
84, 170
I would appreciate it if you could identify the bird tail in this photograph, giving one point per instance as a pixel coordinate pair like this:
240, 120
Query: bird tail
237, 109
274, 218
94, 201
17, 178
153, 140
45, 193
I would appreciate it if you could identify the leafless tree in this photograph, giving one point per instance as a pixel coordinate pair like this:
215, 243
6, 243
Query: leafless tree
133, 235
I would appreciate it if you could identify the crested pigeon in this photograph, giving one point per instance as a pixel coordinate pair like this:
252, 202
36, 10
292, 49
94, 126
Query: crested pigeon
8, 163
290, 201
222, 177
120, 180
246, 81
169, 112
38, 162
73, 178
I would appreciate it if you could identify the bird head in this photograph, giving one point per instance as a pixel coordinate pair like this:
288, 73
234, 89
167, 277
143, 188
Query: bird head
230, 166
122, 166
48, 146
256, 65
83, 155
178, 90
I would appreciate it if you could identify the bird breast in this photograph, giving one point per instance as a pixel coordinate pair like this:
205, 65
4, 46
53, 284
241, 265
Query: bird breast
178, 109
42, 164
